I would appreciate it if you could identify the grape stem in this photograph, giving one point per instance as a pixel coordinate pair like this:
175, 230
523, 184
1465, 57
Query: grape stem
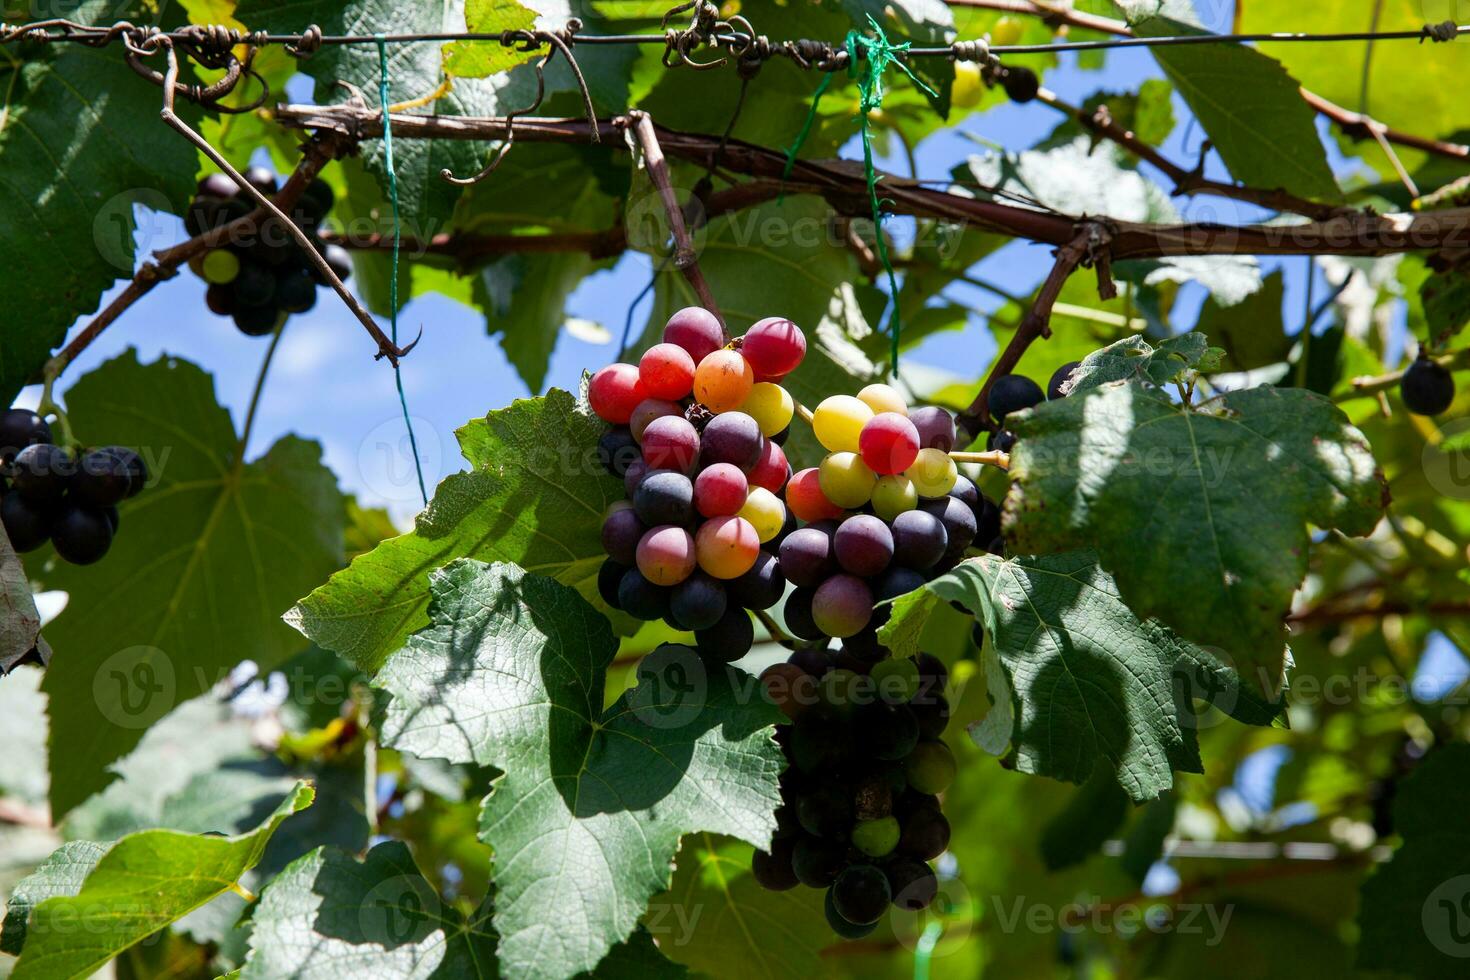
686, 257
994, 458
803, 411
778, 635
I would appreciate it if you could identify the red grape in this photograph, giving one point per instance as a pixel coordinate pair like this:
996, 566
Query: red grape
842, 605
666, 555
648, 410
889, 443
667, 371
771, 470
774, 347
615, 391
670, 443
696, 330
720, 490
805, 499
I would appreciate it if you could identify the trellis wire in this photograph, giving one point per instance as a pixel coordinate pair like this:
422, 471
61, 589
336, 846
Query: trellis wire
418, 466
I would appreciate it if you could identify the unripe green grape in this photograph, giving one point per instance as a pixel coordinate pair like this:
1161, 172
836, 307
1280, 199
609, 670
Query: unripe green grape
765, 512
934, 473
846, 480
838, 421
930, 767
876, 838
892, 495
220, 266
770, 405
896, 680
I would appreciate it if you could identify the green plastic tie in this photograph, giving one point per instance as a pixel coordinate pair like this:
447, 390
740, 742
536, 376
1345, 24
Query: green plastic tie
418, 466
924, 950
877, 53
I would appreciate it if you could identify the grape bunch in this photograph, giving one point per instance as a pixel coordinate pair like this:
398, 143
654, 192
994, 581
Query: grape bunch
260, 281
860, 813
49, 493
697, 428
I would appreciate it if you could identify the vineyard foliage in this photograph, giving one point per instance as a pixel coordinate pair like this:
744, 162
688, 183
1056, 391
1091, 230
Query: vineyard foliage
1206, 697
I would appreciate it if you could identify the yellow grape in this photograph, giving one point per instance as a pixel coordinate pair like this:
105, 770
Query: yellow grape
1007, 31
765, 512
846, 480
934, 473
969, 88
771, 407
838, 421
723, 380
882, 398
892, 495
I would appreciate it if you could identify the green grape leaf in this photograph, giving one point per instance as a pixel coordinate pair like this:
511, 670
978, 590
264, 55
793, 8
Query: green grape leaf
20, 623
205, 561
416, 70
1094, 813
535, 496
143, 883
1251, 333
1252, 110
1076, 179
638, 959
328, 915
1200, 514
1446, 299
477, 59
1412, 913
60, 875
715, 913
1094, 688
1144, 843
76, 161
588, 814
1135, 359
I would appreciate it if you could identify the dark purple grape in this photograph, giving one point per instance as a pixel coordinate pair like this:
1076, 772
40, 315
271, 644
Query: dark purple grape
257, 321
81, 535
839, 925
815, 661
925, 834
729, 639
217, 185
103, 477
255, 285
617, 451
864, 646
1001, 442
861, 894
698, 602
1060, 377
762, 586
220, 298
731, 437
936, 427
772, 869
137, 469
637, 470
826, 811
621, 533
863, 545
806, 557
665, 497
42, 473
19, 428
895, 582
609, 577
1427, 387
888, 731
640, 598
262, 179
295, 291
932, 714
933, 676
958, 520
912, 883
339, 260
1012, 393
817, 862
987, 521
27, 525
919, 540
798, 615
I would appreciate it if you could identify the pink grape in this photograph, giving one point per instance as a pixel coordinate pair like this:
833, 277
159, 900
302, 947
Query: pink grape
842, 605
696, 330
720, 490
648, 410
615, 391
805, 499
666, 555
889, 443
774, 347
771, 470
935, 427
670, 443
667, 371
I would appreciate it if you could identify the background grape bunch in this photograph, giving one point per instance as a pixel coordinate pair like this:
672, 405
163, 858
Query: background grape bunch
260, 280
54, 493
